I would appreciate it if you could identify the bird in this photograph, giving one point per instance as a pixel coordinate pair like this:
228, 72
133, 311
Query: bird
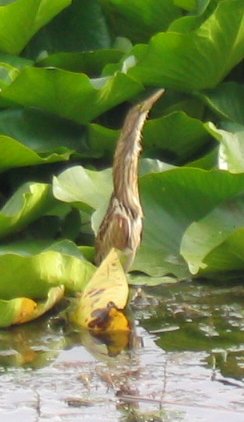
121, 227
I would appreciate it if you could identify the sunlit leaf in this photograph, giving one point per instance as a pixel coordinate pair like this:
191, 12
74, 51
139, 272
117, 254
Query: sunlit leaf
231, 149
68, 94
78, 184
194, 60
106, 294
81, 187
32, 276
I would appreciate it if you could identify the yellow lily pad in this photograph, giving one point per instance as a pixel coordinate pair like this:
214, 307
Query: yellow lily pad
100, 306
23, 309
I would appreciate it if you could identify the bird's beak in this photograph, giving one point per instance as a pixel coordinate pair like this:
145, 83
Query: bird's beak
148, 103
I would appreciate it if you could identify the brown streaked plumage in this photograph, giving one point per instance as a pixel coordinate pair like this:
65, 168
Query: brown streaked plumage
121, 227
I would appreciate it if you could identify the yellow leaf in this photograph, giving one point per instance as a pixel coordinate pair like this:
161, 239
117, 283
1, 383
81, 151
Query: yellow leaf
99, 307
26, 310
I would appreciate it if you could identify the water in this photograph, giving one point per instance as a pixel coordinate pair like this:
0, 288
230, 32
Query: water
185, 362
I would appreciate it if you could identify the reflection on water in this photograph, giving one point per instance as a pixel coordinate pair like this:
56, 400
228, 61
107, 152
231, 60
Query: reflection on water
184, 361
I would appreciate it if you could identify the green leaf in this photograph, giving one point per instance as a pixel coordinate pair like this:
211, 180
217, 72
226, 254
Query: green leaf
16, 61
81, 26
227, 257
145, 280
231, 150
78, 184
27, 204
82, 187
20, 310
176, 137
20, 20
149, 165
186, 4
70, 95
89, 62
171, 202
194, 60
14, 154
140, 19
37, 246
207, 162
227, 100
203, 236
32, 276
102, 140
66, 247
41, 132
25, 247
7, 74
167, 212
91, 187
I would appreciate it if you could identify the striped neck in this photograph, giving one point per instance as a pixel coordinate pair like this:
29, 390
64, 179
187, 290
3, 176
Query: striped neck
126, 157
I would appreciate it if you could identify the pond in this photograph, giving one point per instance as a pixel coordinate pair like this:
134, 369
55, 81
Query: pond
184, 361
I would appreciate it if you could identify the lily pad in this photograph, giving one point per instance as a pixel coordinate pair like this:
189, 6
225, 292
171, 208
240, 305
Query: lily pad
21, 19
68, 94
205, 235
78, 184
171, 202
137, 19
106, 294
194, 60
227, 100
231, 149
42, 133
167, 212
32, 276
21, 310
14, 154
175, 137
28, 203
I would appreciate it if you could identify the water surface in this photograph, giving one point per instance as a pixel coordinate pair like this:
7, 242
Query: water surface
184, 362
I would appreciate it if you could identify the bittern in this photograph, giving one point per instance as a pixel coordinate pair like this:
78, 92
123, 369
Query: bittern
121, 227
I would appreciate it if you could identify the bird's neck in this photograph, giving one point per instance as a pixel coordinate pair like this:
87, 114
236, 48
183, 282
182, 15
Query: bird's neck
125, 172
